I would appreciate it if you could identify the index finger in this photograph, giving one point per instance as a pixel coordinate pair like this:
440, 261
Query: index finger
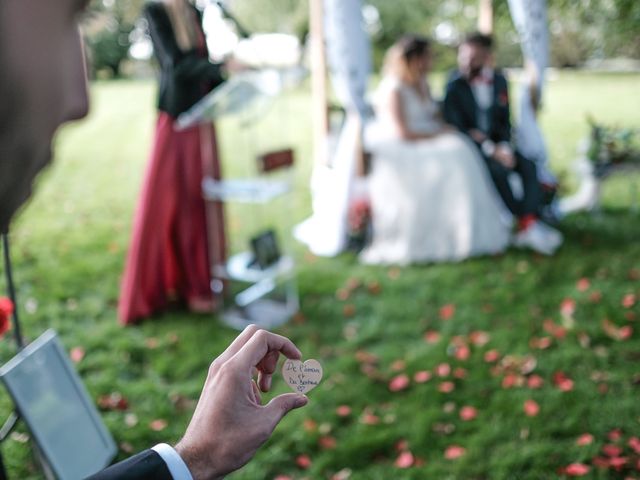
263, 342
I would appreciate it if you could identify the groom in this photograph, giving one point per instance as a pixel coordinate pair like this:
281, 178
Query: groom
477, 103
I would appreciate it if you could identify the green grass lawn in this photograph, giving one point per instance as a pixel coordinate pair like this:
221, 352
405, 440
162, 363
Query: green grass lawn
488, 333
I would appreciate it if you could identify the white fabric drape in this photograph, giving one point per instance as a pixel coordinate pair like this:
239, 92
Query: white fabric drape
530, 20
349, 58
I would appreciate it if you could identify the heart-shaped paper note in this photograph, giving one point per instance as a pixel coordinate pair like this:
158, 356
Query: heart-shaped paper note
302, 377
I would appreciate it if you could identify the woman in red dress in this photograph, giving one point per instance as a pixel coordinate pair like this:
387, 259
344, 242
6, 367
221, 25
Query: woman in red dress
170, 254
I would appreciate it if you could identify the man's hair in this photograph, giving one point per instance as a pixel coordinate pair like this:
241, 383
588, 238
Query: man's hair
479, 39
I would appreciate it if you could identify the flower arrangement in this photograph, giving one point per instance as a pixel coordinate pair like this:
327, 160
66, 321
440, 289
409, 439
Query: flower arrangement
611, 146
359, 219
6, 310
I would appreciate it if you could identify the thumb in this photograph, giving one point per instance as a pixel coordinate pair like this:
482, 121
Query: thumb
279, 406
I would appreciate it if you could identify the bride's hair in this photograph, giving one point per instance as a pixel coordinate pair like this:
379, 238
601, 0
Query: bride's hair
401, 53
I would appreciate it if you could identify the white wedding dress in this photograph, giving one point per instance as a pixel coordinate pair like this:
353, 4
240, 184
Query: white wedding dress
431, 200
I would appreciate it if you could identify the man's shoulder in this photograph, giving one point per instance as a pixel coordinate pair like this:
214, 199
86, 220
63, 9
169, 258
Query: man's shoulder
454, 80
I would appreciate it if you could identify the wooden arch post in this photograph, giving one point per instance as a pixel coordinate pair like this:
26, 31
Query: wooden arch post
485, 17
319, 111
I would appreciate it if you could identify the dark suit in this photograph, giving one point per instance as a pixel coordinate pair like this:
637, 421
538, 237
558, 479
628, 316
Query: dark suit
185, 77
147, 465
461, 110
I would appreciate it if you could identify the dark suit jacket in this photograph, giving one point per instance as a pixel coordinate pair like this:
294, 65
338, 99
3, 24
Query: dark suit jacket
460, 107
185, 77
147, 465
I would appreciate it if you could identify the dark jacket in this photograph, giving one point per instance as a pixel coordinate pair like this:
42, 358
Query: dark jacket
185, 77
460, 107
147, 465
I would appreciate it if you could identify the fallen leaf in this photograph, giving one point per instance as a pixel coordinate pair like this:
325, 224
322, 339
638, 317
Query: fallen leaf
568, 307
327, 442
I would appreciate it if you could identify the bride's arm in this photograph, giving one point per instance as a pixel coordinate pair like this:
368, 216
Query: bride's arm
399, 120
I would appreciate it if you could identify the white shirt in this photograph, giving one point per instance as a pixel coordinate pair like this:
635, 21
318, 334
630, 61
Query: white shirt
175, 464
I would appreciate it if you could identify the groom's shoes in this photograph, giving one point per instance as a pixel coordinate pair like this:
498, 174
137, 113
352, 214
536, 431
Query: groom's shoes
539, 237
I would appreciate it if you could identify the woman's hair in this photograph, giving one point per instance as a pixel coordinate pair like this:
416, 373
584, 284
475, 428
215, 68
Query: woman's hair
183, 21
401, 53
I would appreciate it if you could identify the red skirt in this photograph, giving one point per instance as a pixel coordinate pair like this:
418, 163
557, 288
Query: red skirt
170, 254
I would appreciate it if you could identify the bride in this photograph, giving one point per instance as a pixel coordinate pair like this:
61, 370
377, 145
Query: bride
431, 197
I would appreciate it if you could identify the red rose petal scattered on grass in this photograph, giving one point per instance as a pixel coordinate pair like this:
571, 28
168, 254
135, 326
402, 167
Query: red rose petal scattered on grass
404, 460
310, 425
634, 443
447, 311
462, 353
443, 370
629, 300
399, 383
349, 310
614, 435
431, 337
568, 307
422, 376
618, 462
6, 310
454, 451
343, 294
398, 365
583, 284
554, 330
343, 411
491, 356
369, 418
468, 413
303, 461
563, 382
327, 442
535, 381
600, 462
460, 373
158, 425
113, 401
77, 354
283, 477
595, 296
611, 450
584, 439
374, 287
577, 470
479, 339
531, 408
446, 387
511, 380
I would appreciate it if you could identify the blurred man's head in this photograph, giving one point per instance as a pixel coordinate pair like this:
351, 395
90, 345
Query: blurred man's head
474, 53
42, 85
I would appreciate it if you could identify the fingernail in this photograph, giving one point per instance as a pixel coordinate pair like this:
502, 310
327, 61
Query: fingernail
302, 400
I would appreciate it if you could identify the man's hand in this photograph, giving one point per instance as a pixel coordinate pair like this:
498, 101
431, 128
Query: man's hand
504, 155
230, 423
477, 135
